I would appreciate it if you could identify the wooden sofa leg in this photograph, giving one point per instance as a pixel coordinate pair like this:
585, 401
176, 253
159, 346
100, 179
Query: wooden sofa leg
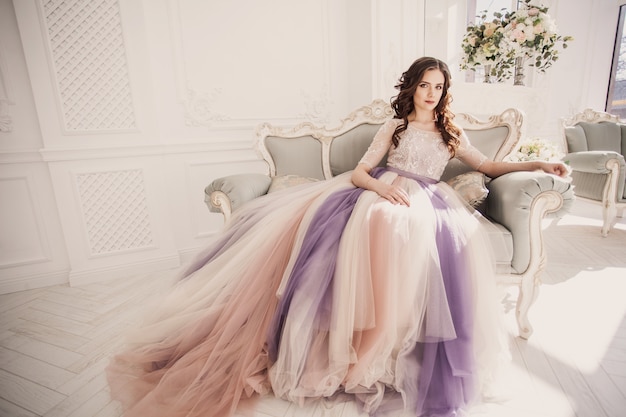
609, 215
609, 206
528, 293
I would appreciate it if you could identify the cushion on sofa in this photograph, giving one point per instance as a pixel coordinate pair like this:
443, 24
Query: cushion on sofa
471, 187
280, 182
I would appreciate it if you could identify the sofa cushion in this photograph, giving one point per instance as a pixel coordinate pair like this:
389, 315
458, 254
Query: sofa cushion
603, 136
471, 187
576, 140
280, 182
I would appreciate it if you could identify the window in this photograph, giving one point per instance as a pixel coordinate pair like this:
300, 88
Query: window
475, 7
616, 97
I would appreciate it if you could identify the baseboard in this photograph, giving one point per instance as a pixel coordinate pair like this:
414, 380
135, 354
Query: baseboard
32, 282
123, 271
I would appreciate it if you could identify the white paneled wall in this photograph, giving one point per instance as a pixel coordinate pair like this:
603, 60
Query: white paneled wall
115, 114
32, 248
141, 104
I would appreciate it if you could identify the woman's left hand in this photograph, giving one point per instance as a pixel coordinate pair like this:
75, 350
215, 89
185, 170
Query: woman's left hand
556, 168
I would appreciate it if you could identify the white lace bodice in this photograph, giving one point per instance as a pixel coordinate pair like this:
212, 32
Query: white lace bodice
418, 152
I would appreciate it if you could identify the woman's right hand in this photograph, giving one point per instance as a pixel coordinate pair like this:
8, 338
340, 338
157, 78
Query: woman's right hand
393, 193
361, 178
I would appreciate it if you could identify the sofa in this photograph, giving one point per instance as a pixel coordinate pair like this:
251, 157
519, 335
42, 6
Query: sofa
595, 144
514, 204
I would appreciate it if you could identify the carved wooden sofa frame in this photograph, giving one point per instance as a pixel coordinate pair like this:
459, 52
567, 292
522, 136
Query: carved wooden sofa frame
516, 203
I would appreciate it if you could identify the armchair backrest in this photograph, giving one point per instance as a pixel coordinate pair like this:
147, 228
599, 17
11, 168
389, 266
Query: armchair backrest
592, 130
321, 152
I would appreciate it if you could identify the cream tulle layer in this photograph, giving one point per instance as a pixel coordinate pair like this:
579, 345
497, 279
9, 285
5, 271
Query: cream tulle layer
203, 348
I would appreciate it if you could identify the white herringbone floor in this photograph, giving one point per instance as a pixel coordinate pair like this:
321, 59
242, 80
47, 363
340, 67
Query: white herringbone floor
56, 341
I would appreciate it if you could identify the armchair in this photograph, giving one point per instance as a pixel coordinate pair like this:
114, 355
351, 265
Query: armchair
515, 204
595, 145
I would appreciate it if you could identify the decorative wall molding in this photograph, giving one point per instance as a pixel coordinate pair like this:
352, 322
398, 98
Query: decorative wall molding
394, 20
6, 122
57, 155
88, 57
201, 105
22, 224
317, 108
115, 211
199, 108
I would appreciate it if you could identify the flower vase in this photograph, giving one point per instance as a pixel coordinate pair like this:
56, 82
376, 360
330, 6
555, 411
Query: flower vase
487, 76
518, 78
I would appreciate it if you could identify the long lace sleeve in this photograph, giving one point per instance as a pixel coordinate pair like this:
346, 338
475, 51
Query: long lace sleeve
469, 154
380, 144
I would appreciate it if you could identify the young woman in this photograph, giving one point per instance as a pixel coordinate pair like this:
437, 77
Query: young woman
377, 284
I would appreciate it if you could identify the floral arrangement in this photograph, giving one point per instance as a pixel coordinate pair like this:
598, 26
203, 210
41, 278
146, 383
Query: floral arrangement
483, 45
535, 149
528, 32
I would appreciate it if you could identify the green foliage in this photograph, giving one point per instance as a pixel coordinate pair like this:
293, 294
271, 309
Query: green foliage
529, 32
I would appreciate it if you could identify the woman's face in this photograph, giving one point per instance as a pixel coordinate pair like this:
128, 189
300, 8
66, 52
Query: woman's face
429, 91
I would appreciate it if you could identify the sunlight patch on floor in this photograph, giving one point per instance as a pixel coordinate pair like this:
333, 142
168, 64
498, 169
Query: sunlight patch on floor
569, 323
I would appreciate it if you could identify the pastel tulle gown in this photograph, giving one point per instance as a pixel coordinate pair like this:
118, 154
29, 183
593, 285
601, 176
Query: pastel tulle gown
326, 289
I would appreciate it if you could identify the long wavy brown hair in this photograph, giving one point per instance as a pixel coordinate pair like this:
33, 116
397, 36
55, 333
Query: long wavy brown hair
403, 105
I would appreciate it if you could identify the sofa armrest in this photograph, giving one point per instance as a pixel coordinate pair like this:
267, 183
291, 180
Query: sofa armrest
594, 162
226, 194
519, 201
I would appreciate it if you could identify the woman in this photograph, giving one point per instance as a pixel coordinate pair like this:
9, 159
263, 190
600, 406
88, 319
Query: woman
377, 284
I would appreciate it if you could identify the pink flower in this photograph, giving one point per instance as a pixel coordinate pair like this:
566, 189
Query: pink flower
518, 35
490, 28
533, 12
